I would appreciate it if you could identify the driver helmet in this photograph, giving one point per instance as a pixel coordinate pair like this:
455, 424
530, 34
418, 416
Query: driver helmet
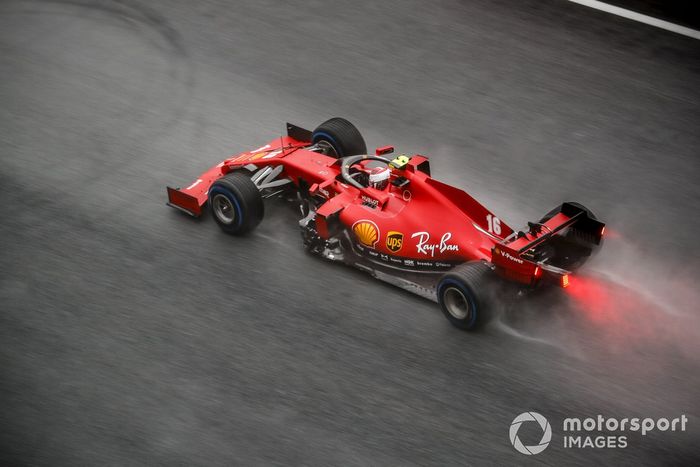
379, 177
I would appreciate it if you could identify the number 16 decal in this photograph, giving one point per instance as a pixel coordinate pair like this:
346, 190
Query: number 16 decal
494, 224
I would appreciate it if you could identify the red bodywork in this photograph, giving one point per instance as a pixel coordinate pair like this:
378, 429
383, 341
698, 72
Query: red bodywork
422, 222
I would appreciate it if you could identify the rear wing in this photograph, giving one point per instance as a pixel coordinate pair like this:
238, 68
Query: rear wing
514, 258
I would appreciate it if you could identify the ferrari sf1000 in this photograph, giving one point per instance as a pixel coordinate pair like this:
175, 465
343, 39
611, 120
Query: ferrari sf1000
389, 217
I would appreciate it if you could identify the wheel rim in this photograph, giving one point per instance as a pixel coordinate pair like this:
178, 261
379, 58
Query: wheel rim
223, 209
456, 303
326, 148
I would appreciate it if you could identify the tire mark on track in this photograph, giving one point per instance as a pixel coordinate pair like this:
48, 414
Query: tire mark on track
157, 30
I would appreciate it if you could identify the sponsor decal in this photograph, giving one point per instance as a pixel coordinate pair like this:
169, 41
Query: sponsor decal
394, 241
371, 202
408, 263
261, 148
366, 232
272, 154
426, 248
254, 154
240, 158
199, 180
507, 255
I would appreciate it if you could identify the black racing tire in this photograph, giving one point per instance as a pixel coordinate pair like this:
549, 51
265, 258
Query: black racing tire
236, 203
339, 138
464, 295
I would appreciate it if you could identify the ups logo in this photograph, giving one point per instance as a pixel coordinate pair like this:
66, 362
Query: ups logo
394, 241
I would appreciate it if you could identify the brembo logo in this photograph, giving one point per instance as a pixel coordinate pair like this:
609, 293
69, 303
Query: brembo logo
546, 433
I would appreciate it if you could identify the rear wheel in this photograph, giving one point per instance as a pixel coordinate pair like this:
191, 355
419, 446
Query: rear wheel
236, 203
463, 294
338, 137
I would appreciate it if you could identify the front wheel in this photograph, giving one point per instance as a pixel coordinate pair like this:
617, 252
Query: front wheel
338, 137
463, 294
236, 203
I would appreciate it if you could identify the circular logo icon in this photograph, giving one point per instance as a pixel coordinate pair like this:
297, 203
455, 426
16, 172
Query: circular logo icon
546, 433
394, 241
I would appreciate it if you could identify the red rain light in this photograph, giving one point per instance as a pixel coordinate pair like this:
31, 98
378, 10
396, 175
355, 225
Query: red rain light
565, 280
602, 231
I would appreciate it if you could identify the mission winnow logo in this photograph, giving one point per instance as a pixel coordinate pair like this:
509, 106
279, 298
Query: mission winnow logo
597, 432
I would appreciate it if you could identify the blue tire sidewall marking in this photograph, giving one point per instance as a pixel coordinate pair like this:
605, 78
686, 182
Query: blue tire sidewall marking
467, 293
326, 136
222, 191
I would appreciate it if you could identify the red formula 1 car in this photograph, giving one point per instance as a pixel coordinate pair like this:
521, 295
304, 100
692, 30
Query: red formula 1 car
392, 219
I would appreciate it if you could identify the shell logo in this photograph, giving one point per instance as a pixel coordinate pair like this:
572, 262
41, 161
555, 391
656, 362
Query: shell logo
366, 232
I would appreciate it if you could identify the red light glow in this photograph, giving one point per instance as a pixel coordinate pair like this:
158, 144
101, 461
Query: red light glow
607, 303
625, 319
592, 296
565, 280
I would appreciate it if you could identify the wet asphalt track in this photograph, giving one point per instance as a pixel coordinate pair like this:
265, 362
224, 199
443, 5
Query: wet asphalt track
130, 334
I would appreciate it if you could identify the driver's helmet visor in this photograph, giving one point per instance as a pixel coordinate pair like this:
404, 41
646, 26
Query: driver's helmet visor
379, 177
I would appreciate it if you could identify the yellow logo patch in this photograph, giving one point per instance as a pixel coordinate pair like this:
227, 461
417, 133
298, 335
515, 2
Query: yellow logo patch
394, 241
366, 232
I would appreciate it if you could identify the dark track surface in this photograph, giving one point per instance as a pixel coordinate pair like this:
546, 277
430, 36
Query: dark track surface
130, 334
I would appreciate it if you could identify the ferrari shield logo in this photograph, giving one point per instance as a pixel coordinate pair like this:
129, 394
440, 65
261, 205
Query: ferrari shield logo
394, 241
366, 232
